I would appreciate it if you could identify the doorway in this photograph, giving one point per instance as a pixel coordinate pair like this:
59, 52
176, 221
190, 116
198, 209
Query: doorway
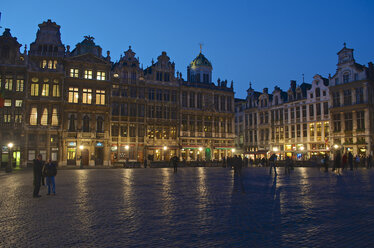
99, 156
85, 157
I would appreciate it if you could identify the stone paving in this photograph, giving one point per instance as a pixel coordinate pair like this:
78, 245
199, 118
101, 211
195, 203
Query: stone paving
196, 207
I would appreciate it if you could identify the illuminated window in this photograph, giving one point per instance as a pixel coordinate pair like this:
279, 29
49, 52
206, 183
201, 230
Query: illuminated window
54, 64
34, 89
74, 72
43, 64
19, 85
73, 95
17, 118
100, 75
44, 119
45, 90
50, 64
8, 83
54, 117
319, 129
33, 116
327, 129
311, 129
88, 74
100, 97
7, 118
7, 103
18, 103
87, 96
56, 90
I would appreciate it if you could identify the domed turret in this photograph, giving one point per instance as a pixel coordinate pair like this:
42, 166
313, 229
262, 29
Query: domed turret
200, 70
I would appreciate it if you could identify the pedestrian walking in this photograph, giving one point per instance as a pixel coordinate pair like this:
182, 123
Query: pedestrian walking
287, 165
50, 171
350, 160
272, 160
145, 163
37, 172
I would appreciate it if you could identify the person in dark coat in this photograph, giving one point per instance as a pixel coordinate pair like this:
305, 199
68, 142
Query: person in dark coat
37, 169
175, 161
337, 162
350, 160
50, 171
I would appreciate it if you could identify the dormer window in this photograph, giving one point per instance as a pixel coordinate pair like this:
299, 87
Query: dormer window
88, 74
336, 81
100, 75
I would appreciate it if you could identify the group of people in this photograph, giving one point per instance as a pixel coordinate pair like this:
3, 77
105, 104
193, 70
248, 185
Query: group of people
348, 160
41, 171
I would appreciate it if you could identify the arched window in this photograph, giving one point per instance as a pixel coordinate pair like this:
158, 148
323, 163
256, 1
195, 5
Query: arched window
100, 122
86, 123
34, 116
276, 100
72, 123
44, 119
54, 117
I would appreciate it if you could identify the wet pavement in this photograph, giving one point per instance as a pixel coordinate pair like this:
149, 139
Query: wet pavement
196, 207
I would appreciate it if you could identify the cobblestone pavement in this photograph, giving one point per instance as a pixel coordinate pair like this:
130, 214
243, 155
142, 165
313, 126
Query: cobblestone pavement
196, 207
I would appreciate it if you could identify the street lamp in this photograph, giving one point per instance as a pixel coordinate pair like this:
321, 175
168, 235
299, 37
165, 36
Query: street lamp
336, 146
275, 149
9, 167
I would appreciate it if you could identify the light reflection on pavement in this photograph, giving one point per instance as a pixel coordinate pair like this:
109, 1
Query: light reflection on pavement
195, 207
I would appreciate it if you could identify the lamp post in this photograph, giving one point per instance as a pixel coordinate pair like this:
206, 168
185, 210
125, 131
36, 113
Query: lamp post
165, 149
9, 166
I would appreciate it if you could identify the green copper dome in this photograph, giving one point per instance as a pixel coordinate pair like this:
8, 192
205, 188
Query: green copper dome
201, 60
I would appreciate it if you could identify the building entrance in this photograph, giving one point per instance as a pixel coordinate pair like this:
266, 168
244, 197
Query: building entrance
85, 157
99, 156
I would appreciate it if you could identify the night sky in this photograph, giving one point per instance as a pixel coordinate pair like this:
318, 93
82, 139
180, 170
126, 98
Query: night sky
266, 42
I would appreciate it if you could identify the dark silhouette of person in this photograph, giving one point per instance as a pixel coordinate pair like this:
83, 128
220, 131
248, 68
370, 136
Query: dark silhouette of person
272, 160
175, 161
337, 162
37, 169
326, 162
350, 160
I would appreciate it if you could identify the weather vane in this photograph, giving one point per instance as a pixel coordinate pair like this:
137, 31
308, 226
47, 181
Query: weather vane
201, 47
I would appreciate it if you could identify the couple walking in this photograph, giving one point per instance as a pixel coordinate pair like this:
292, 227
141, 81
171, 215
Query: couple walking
42, 169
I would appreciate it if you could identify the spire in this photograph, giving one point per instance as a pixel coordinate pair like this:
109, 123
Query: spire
344, 44
201, 47
303, 77
250, 85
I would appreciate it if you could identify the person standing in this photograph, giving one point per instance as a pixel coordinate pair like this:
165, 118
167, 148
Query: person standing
175, 163
37, 171
350, 160
344, 161
326, 162
50, 171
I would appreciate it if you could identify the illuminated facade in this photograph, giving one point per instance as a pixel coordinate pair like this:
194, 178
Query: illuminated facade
79, 108
310, 119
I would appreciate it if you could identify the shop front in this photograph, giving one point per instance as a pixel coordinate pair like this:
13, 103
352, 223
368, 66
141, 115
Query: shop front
71, 153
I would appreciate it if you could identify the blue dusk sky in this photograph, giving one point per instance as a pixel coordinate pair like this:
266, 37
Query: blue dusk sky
266, 42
